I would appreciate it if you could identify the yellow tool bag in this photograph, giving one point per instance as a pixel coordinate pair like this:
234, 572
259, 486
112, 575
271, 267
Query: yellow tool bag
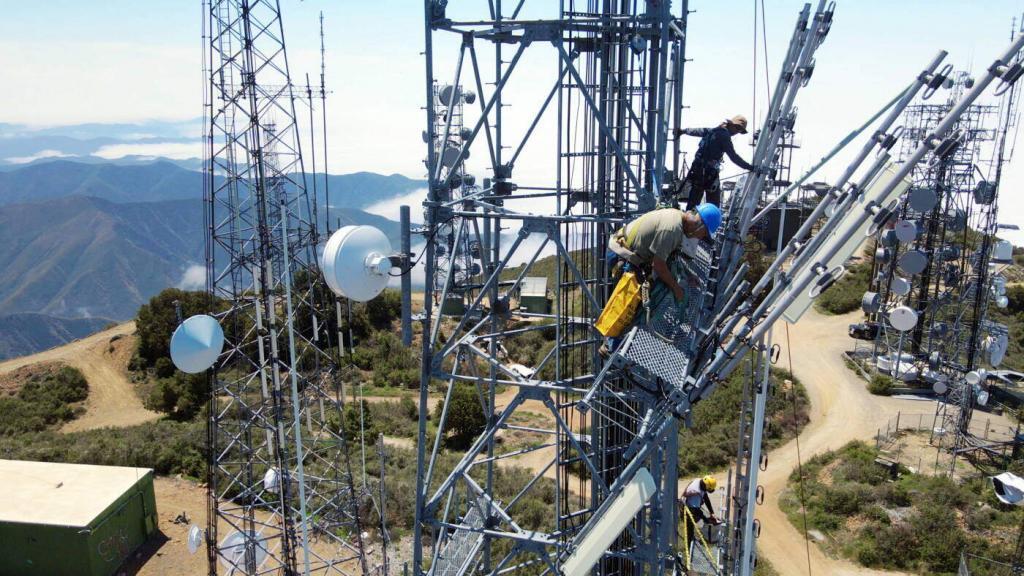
618, 314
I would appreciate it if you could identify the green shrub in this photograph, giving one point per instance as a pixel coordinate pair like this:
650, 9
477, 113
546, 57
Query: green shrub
845, 295
156, 321
880, 385
466, 417
710, 443
166, 446
43, 402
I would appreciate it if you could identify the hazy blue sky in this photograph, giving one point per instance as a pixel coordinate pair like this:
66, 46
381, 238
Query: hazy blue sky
66, 61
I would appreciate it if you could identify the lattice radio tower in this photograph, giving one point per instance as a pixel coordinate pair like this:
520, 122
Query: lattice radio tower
281, 493
612, 99
607, 464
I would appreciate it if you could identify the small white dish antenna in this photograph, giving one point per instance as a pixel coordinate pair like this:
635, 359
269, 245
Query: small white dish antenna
271, 480
196, 344
982, 398
900, 286
356, 262
451, 155
447, 94
997, 349
195, 539
940, 388
232, 550
975, 377
870, 302
922, 199
1002, 302
906, 231
903, 318
1009, 488
1003, 252
913, 262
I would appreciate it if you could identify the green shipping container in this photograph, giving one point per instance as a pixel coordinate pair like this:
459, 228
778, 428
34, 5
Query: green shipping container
72, 518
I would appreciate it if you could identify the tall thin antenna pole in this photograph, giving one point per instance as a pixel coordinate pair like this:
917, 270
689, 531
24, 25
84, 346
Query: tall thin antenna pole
323, 111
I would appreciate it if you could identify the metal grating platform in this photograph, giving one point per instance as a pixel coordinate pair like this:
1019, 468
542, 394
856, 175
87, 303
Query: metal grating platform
669, 320
700, 562
457, 556
658, 357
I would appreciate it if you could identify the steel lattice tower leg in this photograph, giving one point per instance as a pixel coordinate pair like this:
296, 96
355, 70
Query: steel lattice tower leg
281, 494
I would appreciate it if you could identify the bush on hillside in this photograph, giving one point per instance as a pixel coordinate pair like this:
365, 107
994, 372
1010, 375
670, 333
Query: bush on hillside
166, 446
45, 401
466, 417
915, 523
710, 444
845, 295
880, 385
392, 363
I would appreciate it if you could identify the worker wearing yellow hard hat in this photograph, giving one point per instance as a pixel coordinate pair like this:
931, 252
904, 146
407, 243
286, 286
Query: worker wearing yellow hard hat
695, 499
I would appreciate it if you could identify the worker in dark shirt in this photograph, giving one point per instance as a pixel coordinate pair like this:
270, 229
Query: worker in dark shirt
703, 175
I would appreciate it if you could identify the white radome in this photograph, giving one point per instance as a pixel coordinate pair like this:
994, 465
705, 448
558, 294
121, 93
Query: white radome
356, 262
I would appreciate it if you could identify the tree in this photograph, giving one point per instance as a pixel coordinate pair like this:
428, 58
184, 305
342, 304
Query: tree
157, 320
466, 417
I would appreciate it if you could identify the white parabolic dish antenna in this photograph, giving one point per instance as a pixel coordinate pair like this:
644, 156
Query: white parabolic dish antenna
903, 318
232, 550
196, 344
195, 539
356, 262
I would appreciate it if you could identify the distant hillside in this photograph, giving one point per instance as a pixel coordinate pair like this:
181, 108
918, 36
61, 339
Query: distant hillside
79, 257
164, 180
22, 334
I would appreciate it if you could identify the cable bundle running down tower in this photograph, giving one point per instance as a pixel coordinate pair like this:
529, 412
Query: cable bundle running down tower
281, 494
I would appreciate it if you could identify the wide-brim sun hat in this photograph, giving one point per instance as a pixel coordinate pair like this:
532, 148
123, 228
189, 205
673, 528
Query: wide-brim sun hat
739, 121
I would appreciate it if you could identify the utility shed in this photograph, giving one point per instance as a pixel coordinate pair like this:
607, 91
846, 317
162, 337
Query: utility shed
533, 295
72, 518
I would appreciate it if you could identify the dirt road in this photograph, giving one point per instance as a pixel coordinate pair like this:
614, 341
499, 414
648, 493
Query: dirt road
112, 400
841, 410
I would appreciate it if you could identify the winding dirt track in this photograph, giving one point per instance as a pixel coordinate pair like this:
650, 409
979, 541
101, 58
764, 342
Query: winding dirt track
841, 410
112, 399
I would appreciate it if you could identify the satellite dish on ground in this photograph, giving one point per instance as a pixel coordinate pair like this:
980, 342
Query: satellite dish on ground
913, 262
196, 344
906, 231
903, 318
194, 539
900, 286
232, 550
356, 262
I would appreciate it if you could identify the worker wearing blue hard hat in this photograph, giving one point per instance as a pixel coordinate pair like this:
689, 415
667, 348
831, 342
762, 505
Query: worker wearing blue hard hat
650, 240
646, 244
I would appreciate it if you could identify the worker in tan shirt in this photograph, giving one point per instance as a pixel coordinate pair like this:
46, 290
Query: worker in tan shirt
647, 243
